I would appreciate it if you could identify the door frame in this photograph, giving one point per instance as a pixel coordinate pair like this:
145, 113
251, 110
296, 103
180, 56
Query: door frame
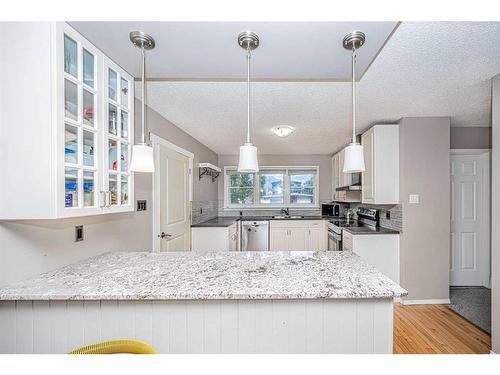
486, 209
155, 142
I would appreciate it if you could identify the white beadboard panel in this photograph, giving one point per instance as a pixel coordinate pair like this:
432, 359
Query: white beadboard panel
59, 332
8, 327
76, 323
229, 327
178, 326
314, 326
161, 324
42, 327
24, 327
109, 322
212, 324
236, 326
144, 321
246, 326
92, 322
195, 327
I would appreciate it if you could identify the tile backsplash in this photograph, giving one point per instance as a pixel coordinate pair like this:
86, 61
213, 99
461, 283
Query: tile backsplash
203, 211
396, 215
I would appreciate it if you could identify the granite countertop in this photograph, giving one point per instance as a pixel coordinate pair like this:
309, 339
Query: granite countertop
217, 275
369, 230
226, 221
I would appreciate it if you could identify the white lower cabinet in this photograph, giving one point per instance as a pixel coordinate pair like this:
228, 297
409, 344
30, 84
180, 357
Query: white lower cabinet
205, 239
298, 235
380, 250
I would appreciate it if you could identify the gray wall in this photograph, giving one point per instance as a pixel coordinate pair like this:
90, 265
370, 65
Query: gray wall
425, 241
470, 137
495, 218
28, 248
323, 161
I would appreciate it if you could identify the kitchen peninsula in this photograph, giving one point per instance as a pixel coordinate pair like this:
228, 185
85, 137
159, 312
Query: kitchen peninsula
221, 302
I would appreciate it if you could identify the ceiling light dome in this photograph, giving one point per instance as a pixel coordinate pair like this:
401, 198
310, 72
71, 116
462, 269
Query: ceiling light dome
283, 131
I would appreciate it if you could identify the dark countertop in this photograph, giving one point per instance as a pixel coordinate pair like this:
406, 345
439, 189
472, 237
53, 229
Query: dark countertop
226, 221
369, 230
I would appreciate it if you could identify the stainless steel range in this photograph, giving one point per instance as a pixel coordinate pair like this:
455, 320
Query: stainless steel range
366, 217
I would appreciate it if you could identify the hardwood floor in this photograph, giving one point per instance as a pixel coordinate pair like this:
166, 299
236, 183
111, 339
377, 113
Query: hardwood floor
428, 329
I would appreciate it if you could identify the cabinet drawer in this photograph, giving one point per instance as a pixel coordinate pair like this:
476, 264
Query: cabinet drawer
347, 241
297, 223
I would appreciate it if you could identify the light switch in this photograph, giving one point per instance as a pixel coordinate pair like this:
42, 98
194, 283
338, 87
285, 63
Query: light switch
413, 199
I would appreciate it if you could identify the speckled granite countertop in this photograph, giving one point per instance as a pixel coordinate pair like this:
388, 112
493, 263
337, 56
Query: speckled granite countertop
222, 275
226, 221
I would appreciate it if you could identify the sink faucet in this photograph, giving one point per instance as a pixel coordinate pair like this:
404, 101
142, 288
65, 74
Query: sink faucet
285, 211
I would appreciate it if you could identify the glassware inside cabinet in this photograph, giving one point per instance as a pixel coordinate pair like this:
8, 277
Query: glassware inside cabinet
113, 188
124, 189
112, 84
70, 100
71, 144
88, 68
88, 148
70, 56
112, 120
124, 91
113, 155
71, 187
124, 123
88, 188
88, 108
124, 157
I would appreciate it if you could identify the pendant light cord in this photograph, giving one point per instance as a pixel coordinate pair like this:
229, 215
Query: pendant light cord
353, 93
143, 94
249, 55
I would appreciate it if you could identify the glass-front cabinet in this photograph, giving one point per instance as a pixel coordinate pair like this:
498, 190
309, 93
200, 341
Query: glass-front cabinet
66, 150
98, 128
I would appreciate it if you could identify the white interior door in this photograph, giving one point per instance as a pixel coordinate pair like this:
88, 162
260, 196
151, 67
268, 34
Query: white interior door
172, 192
469, 258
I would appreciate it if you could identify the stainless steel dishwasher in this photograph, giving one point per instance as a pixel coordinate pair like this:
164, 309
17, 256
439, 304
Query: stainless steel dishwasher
255, 235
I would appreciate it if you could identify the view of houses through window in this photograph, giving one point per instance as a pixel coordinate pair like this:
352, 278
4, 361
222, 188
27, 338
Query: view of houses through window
272, 186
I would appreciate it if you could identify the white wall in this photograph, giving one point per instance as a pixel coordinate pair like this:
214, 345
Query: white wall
425, 239
28, 248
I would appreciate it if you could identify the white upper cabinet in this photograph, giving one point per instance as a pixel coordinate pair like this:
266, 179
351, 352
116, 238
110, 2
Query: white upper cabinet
380, 181
59, 158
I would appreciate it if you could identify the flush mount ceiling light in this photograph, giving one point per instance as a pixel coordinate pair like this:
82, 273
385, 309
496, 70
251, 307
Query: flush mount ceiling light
283, 131
354, 160
248, 162
142, 153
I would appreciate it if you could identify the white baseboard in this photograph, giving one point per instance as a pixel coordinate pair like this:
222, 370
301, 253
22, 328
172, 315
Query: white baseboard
492, 352
426, 302
398, 300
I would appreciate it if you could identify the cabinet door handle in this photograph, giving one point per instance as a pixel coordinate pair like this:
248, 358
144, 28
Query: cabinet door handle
108, 196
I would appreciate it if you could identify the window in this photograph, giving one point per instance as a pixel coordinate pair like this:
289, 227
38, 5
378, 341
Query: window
271, 187
302, 187
241, 188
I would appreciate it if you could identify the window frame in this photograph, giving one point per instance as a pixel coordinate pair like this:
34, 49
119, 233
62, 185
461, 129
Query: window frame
286, 201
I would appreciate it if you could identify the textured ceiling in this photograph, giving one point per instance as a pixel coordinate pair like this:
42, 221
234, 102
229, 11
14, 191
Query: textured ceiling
426, 69
288, 50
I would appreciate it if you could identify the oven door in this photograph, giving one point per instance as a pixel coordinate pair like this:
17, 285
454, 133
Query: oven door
334, 241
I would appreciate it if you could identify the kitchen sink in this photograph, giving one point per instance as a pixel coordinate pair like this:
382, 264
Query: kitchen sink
287, 216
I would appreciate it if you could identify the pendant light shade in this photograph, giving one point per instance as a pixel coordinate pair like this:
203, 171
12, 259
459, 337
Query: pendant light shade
142, 153
142, 159
248, 159
248, 162
354, 161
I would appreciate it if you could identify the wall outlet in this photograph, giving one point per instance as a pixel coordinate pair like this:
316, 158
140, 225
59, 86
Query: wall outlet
413, 199
388, 215
141, 205
201, 210
78, 233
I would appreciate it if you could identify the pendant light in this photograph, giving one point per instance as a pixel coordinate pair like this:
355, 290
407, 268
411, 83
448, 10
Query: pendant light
248, 152
142, 153
354, 160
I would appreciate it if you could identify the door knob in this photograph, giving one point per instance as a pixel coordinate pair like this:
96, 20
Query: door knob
164, 235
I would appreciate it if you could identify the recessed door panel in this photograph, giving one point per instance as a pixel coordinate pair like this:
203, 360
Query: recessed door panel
468, 251
468, 197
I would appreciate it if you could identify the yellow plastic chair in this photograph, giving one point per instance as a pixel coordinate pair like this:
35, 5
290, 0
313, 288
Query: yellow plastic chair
117, 347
